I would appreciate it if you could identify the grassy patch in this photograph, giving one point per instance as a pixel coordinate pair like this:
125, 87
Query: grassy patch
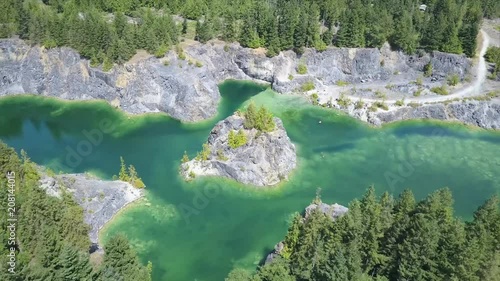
419, 81
414, 104
343, 101
307, 86
487, 97
453, 80
359, 104
290, 77
428, 70
237, 140
204, 153
342, 83
301, 69
180, 52
380, 95
400, 102
314, 98
417, 93
390, 86
442, 91
378, 104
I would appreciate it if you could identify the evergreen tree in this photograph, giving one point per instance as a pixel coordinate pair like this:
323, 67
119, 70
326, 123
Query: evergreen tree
405, 37
123, 175
184, 26
120, 261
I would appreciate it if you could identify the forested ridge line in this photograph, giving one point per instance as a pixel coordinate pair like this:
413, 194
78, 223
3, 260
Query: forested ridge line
50, 240
382, 238
111, 31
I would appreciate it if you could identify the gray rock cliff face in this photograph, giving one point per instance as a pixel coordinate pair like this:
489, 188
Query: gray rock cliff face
100, 199
266, 159
190, 93
484, 114
183, 91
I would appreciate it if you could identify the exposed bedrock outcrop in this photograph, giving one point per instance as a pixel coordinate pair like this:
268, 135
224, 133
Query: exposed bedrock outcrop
484, 114
100, 199
265, 159
188, 91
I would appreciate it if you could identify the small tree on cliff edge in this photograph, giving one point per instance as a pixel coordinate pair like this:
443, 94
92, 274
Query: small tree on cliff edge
123, 175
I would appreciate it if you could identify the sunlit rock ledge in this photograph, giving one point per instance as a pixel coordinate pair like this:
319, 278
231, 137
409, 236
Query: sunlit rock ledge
266, 159
100, 199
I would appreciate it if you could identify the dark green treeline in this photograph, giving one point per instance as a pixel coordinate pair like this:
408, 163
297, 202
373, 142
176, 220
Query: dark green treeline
111, 30
387, 239
50, 240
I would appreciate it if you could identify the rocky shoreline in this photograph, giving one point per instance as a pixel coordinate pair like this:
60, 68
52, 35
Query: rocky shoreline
101, 200
186, 87
264, 159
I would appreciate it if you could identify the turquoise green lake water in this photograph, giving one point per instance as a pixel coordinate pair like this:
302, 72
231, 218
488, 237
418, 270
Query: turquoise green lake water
202, 229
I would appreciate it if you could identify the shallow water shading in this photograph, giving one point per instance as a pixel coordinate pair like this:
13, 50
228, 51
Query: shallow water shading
202, 229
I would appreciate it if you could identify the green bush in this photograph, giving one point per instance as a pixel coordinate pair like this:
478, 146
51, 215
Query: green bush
492, 54
380, 95
417, 93
342, 83
307, 86
94, 62
414, 104
237, 140
343, 101
453, 79
440, 90
428, 70
107, 65
49, 43
379, 104
290, 77
166, 63
180, 53
419, 81
262, 120
161, 51
199, 64
314, 98
301, 69
359, 104
185, 157
192, 175
400, 102
138, 183
204, 153
226, 48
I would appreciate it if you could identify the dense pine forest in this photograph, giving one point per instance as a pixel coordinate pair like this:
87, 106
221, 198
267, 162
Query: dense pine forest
111, 30
51, 240
387, 239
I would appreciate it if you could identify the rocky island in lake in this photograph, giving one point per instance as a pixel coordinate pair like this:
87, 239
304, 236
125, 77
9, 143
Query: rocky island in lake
251, 148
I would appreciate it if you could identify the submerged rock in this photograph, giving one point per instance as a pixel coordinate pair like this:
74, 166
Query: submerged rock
266, 159
100, 199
